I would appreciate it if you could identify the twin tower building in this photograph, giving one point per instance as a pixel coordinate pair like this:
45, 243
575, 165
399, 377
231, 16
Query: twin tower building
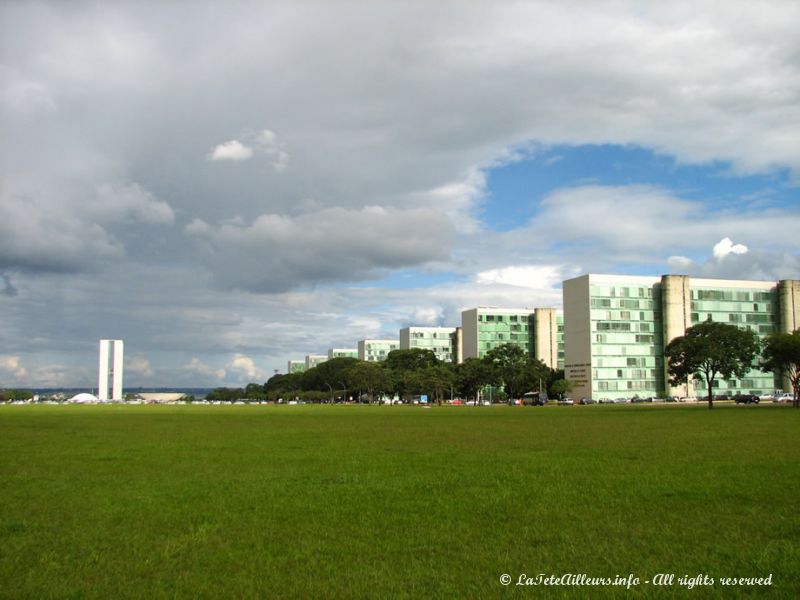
611, 334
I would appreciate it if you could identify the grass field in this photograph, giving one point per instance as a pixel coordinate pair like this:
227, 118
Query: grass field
348, 501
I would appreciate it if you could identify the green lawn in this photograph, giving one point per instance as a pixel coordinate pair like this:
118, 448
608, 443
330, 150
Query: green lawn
389, 501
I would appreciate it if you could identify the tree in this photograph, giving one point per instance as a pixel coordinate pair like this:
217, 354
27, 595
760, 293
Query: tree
710, 349
370, 377
471, 376
562, 386
436, 381
330, 376
405, 364
281, 385
512, 369
534, 376
411, 360
781, 354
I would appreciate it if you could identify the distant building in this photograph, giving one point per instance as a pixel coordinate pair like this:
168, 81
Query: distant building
617, 326
342, 353
312, 360
538, 331
296, 366
444, 342
111, 359
376, 350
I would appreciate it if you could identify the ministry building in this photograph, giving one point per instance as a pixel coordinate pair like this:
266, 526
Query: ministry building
616, 328
538, 331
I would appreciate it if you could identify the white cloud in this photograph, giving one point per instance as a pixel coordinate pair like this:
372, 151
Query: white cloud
429, 316
726, 246
530, 276
245, 367
638, 223
231, 150
139, 366
196, 366
680, 264
264, 142
735, 261
13, 366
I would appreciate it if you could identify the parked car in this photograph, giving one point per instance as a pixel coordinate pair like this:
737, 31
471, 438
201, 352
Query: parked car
566, 401
586, 401
746, 399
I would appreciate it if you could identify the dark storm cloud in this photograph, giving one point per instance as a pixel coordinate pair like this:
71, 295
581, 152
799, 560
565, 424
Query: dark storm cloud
277, 253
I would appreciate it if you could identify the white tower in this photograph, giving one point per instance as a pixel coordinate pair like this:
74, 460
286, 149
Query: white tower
110, 367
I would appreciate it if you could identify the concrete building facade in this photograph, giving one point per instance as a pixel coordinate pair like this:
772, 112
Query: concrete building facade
444, 342
616, 329
538, 331
376, 350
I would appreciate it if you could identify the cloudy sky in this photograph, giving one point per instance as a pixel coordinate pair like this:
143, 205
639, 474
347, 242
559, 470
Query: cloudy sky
228, 185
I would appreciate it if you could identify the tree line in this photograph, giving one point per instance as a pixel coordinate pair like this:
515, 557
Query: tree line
707, 352
406, 374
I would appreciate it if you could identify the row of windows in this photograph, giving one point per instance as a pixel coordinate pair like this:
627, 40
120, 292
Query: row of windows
622, 326
418, 335
624, 315
645, 384
503, 318
622, 292
627, 361
732, 307
733, 295
639, 338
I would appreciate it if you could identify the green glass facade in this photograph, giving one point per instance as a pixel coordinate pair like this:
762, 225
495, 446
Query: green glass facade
756, 310
442, 341
616, 328
497, 329
539, 332
343, 353
627, 340
296, 366
376, 350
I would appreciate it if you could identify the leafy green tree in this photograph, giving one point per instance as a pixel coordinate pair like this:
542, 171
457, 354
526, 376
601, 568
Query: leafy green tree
708, 350
330, 376
515, 371
283, 385
13, 395
225, 394
370, 377
506, 362
255, 391
411, 360
534, 376
472, 375
405, 365
435, 381
781, 354
561, 387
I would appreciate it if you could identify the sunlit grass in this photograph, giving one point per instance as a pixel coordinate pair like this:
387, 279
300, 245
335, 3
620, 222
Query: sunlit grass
345, 501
